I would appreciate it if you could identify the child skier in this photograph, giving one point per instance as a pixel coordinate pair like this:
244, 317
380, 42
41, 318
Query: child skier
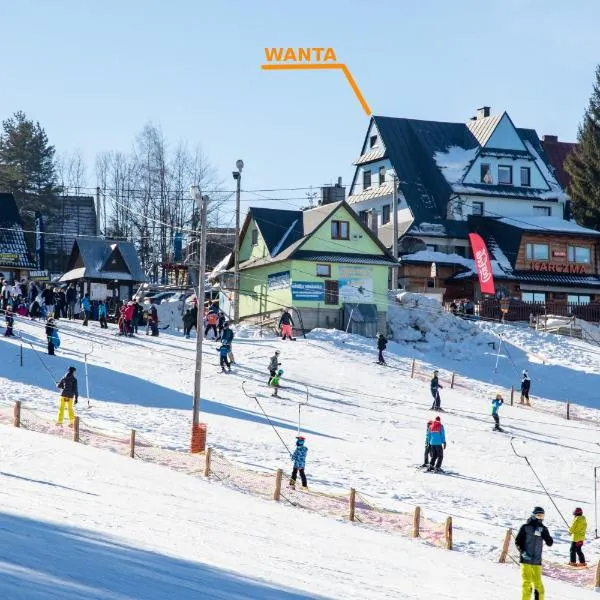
51, 336
10, 320
227, 338
577, 530
435, 391
525, 387
496, 404
275, 381
223, 361
427, 455
381, 346
299, 458
273, 364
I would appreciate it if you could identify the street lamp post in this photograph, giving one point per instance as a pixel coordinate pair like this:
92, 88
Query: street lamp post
237, 175
202, 204
395, 231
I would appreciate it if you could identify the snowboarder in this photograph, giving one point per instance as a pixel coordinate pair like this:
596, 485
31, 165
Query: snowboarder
427, 456
68, 396
275, 382
285, 325
530, 543
52, 336
86, 307
435, 391
223, 353
577, 530
273, 364
496, 404
437, 444
525, 387
102, 312
227, 338
381, 346
299, 458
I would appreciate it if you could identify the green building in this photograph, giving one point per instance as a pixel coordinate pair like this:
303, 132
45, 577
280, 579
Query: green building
323, 262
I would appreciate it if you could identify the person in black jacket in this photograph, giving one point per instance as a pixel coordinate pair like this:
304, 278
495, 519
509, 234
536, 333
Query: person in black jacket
381, 346
68, 396
530, 543
286, 323
525, 387
71, 297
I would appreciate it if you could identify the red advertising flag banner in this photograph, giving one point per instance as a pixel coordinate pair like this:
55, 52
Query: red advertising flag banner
483, 264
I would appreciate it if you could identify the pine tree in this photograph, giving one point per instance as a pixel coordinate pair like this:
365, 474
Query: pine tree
583, 164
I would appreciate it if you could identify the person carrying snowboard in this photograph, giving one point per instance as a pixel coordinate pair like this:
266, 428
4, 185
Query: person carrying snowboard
223, 361
496, 404
530, 543
273, 364
577, 530
68, 396
285, 325
299, 458
381, 346
275, 382
525, 387
435, 391
427, 456
437, 444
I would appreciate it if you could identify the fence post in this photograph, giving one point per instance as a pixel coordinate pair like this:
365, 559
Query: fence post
21, 354
452, 381
352, 504
17, 414
132, 444
512, 394
448, 532
207, 459
76, 429
597, 579
417, 521
505, 545
412, 370
568, 410
277, 492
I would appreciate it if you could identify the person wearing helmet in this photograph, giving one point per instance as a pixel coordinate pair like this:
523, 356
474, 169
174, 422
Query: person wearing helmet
530, 543
497, 402
227, 339
435, 391
577, 530
381, 346
299, 459
427, 456
223, 353
525, 387
275, 382
437, 445
273, 364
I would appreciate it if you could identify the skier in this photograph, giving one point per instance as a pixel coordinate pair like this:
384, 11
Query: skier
285, 325
530, 543
211, 319
275, 382
299, 458
102, 314
227, 338
437, 444
525, 387
427, 455
221, 324
223, 352
577, 530
496, 404
51, 336
129, 314
10, 320
68, 396
273, 364
435, 391
86, 306
381, 346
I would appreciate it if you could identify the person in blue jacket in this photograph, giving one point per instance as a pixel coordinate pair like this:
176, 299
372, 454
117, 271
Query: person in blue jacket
496, 404
299, 458
86, 306
437, 445
102, 314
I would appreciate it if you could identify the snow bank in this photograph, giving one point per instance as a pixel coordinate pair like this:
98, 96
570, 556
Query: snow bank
170, 315
421, 321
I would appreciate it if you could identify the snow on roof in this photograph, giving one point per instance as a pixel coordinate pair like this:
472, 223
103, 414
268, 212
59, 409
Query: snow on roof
221, 266
441, 258
454, 162
554, 224
555, 190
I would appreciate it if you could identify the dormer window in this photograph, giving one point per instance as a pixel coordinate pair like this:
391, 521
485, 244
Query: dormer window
486, 173
382, 175
366, 179
505, 175
525, 176
373, 141
255, 237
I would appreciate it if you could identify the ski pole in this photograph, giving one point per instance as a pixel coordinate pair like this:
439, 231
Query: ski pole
543, 486
267, 417
300, 405
40, 359
87, 383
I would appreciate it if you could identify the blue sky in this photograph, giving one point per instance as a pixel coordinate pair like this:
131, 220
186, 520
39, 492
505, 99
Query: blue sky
93, 73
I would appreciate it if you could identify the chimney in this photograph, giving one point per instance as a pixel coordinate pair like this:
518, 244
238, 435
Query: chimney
483, 112
373, 225
549, 138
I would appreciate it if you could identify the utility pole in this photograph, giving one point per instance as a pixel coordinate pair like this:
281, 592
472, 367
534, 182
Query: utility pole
237, 175
395, 224
202, 204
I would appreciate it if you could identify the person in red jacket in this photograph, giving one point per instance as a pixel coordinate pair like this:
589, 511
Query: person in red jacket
128, 314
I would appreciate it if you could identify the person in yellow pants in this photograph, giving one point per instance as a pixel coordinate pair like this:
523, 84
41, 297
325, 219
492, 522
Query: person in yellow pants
69, 396
530, 542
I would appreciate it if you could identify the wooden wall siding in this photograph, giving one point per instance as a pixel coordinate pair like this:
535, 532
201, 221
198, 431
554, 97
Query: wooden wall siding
558, 245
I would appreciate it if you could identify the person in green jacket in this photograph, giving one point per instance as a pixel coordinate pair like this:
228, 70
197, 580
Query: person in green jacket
577, 530
275, 382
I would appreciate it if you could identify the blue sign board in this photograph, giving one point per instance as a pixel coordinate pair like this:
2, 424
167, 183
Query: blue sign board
308, 290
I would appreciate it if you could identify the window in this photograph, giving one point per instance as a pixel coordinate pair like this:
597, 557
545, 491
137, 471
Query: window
323, 270
431, 248
537, 252
485, 173
578, 254
477, 208
533, 296
340, 230
505, 174
525, 176
578, 299
366, 179
386, 214
363, 215
542, 211
372, 141
382, 175
255, 237
331, 292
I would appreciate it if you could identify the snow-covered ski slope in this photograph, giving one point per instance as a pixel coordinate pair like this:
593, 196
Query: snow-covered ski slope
365, 429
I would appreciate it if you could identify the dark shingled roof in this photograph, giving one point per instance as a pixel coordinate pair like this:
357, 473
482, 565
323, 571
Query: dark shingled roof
557, 153
12, 238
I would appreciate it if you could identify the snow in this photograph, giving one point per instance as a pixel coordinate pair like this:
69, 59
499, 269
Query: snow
221, 267
429, 256
555, 224
454, 162
555, 189
127, 529
280, 243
